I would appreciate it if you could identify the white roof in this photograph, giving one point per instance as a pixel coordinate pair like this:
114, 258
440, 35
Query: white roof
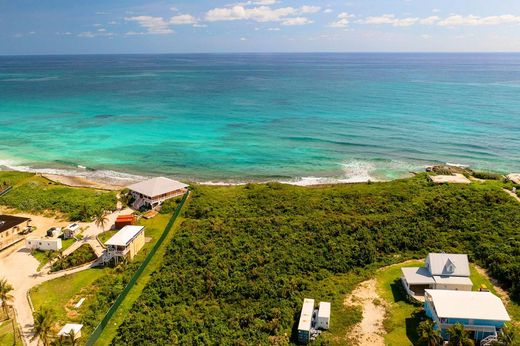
124, 236
324, 310
69, 327
440, 263
306, 314
456, 178
157, 186
417, 276
453, 280
468, 305
73, 227
514, 177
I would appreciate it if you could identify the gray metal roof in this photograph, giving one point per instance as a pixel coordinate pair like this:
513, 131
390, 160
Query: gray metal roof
448, 264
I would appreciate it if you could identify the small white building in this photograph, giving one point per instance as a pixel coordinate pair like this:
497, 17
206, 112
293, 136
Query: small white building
70, 328
54, 232
305, 324
323, 318
125, 243
153, 192
71, 231
43, 244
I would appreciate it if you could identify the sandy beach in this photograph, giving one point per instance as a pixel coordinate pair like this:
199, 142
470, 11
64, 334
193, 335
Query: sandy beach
82, 182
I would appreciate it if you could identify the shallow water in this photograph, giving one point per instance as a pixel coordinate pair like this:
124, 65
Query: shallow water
306, 117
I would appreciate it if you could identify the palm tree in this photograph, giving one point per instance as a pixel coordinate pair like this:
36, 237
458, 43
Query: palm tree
72, 337
100, 219
428, 334
5, 295
44, 320
507, 337
458, 336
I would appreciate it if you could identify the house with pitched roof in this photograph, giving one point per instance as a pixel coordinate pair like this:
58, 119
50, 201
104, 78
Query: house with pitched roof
441, 271
153, 192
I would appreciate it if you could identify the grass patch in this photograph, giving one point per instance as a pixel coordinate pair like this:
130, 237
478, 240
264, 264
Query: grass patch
7, 337
103, 237
402, 316
32, 193
63, 293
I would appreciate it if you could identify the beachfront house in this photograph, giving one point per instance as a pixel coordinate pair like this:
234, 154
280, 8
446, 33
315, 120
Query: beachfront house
124, 244
151, 193
11, 228
481, 313
43, 244
305, 323
441, 271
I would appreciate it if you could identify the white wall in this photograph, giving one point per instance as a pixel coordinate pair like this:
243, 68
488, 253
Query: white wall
44, 244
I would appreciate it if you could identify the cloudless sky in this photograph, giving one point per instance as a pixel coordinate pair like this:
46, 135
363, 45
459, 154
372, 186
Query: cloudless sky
137, 26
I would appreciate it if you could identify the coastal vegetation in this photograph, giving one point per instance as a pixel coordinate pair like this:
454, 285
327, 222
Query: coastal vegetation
32, 193
245, 256
83, 254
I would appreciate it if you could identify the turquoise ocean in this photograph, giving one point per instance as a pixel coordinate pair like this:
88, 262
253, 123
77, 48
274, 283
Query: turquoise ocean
306, 118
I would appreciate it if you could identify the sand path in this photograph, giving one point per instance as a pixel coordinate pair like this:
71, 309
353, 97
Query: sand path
370, 330
512, 194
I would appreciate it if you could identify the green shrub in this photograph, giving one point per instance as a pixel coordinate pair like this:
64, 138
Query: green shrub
245, 256
35, 194
82, 255
487, 176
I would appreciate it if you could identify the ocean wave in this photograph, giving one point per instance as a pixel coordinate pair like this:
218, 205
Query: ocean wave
39, 79
354, 171
101, 176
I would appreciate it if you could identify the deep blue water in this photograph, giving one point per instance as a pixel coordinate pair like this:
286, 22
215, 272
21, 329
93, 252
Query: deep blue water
239, 117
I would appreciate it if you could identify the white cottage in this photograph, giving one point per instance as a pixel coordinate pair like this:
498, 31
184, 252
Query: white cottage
441, 271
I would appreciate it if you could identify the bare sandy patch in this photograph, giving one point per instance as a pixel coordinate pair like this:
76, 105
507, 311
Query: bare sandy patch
370, 330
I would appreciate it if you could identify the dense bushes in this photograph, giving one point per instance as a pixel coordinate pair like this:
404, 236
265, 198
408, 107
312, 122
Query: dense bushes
244, 258
169, 206
82, 255
36, 194
488, 176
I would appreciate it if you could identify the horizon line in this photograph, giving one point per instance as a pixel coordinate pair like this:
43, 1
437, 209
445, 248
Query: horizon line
266, 52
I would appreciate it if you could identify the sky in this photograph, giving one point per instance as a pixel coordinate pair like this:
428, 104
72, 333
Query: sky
137, 26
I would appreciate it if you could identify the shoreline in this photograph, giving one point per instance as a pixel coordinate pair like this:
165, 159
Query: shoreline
109, 180
115, 183
350, 172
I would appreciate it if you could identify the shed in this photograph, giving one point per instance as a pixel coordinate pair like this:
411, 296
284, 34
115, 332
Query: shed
323, 318
71, 328
305, 324
125, 220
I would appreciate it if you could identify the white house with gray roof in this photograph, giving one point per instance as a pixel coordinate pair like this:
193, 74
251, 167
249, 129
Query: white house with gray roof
441, 271
153, 192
